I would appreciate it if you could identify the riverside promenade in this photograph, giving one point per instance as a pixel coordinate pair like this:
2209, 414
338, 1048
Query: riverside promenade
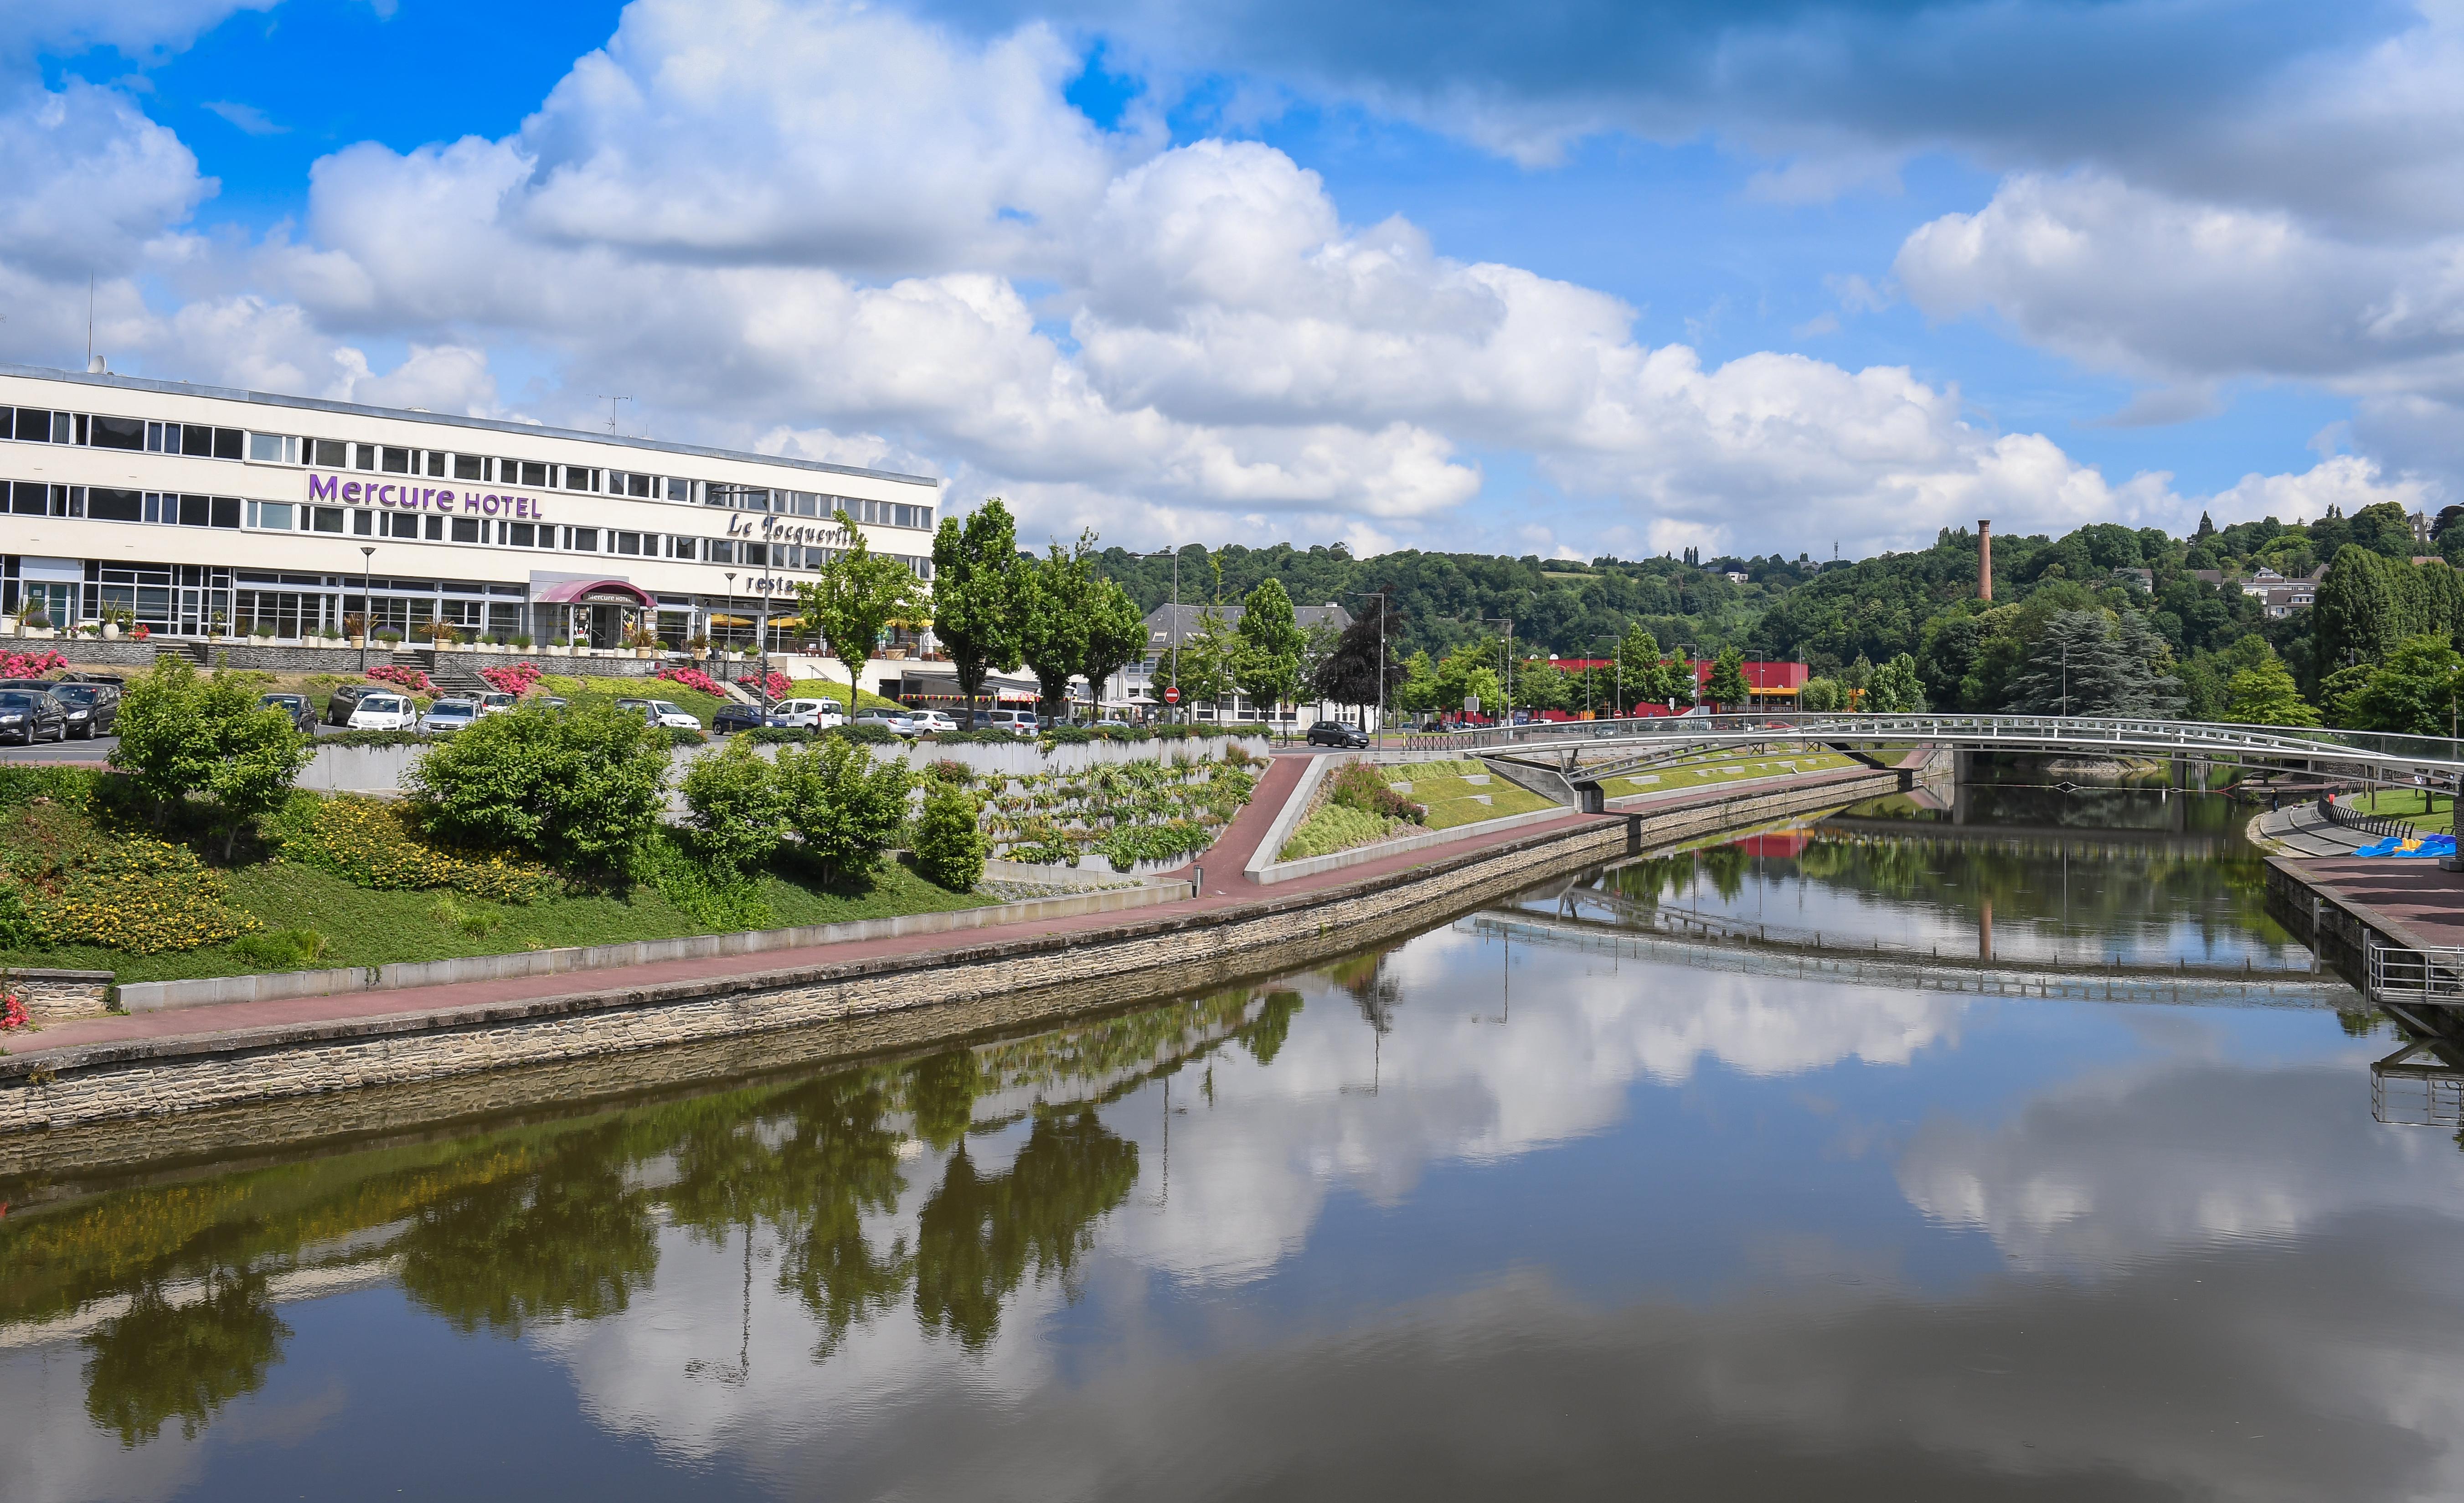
179, 1060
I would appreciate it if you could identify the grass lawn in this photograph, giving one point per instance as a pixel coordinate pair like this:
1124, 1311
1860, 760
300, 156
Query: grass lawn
2409, 803
1454, 792
1728, 767
367, 927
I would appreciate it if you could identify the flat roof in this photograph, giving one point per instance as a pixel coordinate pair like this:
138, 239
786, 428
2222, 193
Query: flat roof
407, 414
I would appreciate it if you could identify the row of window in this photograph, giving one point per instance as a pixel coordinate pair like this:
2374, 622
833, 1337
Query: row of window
96, 431
163, 508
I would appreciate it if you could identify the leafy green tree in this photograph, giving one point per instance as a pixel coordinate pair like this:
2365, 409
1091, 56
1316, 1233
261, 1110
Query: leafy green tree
1419, 692
1896, 688
568, 1239
950, 843
1205, 660
1057, 592
2414, 692
584, 788
1728, 687
1269, 666
2082, 664
846, 808
1347, 672
737, 807
2264, 694
853, 599
976, 604
1639, 669
2362, 610
977, 1236
1822, 697
181, 735
1117, 636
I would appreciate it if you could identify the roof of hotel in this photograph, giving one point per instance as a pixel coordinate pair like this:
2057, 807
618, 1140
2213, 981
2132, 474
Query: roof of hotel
184, 389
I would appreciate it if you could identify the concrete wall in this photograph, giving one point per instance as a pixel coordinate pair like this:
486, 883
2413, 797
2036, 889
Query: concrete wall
1136, 957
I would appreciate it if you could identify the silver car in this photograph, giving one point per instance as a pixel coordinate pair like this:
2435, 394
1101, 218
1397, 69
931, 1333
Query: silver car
449, 714
895, 722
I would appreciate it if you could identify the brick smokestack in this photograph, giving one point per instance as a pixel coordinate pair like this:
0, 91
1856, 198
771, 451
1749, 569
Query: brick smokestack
1985, 560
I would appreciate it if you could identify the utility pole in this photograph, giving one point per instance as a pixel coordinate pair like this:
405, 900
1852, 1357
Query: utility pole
611, 408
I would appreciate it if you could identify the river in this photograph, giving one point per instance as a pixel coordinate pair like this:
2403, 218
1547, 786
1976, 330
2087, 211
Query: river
1771, 1169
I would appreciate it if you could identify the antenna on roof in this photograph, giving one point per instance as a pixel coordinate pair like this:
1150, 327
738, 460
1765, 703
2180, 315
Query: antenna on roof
89, 318
611, 408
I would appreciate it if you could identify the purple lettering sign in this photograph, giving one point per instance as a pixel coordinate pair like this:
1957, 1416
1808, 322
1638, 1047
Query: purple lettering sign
322, 487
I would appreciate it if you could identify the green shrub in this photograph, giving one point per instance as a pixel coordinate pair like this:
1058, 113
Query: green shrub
950, 846
957, 774
864, 735
1128, 844
1360, 785
282, 949
737, 806
779, 735
583, 789
377, 739
1067, 736
681, 736
845, 807
181, 735
718, 901
71, 788
81, 885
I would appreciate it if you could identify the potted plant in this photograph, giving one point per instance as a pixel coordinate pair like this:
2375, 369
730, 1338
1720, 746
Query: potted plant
580, 645
521, 641
214, 625
390, 638
354, 626
37, 623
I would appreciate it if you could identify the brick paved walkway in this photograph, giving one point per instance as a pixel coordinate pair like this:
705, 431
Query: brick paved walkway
2409, 901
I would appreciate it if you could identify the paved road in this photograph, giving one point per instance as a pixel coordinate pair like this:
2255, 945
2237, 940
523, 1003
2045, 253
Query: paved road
86, 753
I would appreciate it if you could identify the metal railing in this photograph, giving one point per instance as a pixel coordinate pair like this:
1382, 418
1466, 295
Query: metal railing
2383, 753
2367, 824
2402, 975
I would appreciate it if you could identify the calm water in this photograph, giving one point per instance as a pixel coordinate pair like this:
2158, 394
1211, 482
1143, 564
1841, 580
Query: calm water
1541, 1204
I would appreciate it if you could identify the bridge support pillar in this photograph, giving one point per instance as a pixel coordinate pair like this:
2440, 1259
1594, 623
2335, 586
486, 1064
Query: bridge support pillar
1907, 780
1963, 767
1591, 799
1634, 834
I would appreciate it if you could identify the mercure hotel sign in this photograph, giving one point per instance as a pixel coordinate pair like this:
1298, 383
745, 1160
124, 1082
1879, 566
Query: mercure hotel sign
401, 497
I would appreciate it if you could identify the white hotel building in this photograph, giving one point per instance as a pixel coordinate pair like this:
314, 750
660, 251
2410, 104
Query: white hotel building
191, 505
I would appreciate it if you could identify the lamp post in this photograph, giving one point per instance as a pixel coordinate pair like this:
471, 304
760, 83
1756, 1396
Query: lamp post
761, 632
367, 604
1379, 596
731, 607
1505, 661
1173, 636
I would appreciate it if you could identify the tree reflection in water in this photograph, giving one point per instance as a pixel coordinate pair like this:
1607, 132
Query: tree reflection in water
162, 1360
979, 1234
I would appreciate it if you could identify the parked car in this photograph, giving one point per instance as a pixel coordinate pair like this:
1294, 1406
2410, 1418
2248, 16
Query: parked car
818, 715
663, 712
30, 716
741, 717
1110, 723
1334, 733
303, 713
894, 722
932, 723
449, 714
1018, 722
93, 709
497, 702
344, 701
383, 710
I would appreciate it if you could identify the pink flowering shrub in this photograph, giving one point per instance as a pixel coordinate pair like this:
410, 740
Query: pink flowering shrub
775, 685
694, 678
410, 678
516, 680
29, 665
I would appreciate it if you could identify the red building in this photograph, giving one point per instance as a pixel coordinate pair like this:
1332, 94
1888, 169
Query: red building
1774, 684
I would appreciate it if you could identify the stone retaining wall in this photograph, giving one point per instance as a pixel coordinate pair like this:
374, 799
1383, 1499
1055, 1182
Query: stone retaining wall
1136, 958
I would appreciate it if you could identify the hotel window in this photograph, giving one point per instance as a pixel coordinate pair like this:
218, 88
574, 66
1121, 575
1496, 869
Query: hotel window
580, 477
630, 542
394, 461
436, 464
470, 467
521, 534
466, 529
33, 425
435, 529
533, 472
30, 499
117, 433
753, 553
622, 484
329, 453
270, 514
547, 536
721, 551
680, 490
105, 503
584, 539
271, 447
364, 456
684, 547
323, 518
398, 524
362, 523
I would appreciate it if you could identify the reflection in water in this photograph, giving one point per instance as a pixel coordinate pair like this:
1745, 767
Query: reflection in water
1441, 1220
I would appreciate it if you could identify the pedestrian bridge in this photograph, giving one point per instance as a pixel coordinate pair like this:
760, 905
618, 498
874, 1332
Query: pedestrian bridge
1585, 752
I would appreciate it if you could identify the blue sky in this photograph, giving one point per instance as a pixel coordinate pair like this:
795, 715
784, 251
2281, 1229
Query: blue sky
1582, 279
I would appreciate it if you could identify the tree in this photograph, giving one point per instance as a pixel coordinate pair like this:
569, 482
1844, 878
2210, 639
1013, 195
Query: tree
1895, 688
1638, 671
2264, 694
1269, 666
737, 807
2081, 664
950, 844
1203, 660
584, 788
1054, 619
846, 808
1727, 686
974, 596
181, 735
2414, 692
1419, 692
1117, 636
853, 599
1347, 674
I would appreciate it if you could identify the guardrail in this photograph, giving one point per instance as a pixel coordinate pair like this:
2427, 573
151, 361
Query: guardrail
2407, 755
2402, 975
2367, 824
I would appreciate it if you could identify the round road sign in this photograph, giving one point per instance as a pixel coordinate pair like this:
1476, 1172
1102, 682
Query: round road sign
1172, 695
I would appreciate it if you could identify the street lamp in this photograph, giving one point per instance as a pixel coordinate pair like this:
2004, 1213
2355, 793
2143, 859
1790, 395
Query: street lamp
367, 604
1379, 596
1506, 660
1173, 636
731, 605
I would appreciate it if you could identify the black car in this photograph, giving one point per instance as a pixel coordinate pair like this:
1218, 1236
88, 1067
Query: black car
30, 716
94, 709
346, 698
1334, 733
303, 713
741, 717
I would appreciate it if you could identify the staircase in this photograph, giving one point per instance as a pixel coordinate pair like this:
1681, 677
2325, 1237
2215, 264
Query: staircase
193, 652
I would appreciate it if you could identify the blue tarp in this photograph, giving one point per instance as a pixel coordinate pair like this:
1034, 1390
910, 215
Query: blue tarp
2431, 845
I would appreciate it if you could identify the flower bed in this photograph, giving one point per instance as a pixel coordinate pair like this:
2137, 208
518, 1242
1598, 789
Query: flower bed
695, 679
1127, 812
31, 665
411, 679
517, 680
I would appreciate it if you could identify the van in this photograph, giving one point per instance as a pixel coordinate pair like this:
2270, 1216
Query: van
818, 715
1018, 722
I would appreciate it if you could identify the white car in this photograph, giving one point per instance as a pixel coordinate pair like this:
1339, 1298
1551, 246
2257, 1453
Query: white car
932, 723
383, 712
668, 713
894, 722
818, 715
1018, 722
497, 703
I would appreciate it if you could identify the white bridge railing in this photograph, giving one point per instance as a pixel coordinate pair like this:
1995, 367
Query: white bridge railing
2400, 975
2436, 758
